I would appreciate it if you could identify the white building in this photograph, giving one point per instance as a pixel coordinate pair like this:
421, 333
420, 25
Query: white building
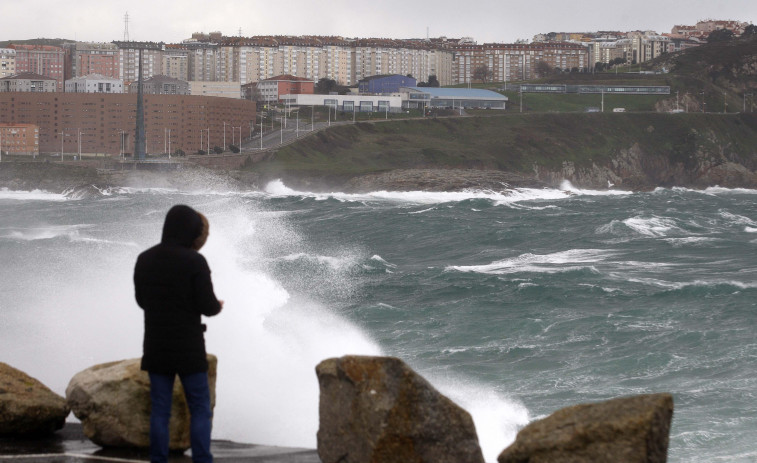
217, 89
94, 83
348, 103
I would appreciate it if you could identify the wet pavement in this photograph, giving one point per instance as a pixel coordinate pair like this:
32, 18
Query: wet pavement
70, 446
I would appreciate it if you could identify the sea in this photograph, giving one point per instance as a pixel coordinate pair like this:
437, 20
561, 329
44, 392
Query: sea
513, 303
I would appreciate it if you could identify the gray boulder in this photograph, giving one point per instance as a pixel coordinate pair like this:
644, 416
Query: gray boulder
112, 400
378, 410
624, 430
28, 407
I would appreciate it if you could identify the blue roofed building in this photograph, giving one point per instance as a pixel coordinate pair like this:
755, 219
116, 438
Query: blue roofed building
385, 83
452, 98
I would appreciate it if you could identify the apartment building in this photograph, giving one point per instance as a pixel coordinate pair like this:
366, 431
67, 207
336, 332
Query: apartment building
176, 62
94, 83
415, 58
128, 61
28, 82
202, 62
44, 60
7, 62
508, 62
87, 58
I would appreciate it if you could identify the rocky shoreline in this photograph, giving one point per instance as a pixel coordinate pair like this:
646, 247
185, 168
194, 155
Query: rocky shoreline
631, 171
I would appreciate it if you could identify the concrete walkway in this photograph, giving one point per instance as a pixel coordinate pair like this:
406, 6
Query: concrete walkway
70, 446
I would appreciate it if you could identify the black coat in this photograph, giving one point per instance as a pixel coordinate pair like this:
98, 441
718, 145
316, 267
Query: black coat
173, 286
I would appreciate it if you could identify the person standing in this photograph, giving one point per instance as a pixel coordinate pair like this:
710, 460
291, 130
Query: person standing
173, 287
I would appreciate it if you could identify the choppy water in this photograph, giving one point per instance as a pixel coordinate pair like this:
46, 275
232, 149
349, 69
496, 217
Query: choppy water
514, 304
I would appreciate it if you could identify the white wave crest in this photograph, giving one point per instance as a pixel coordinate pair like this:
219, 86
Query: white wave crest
505, 197
546, 263
651, 226
34, 195
738, 219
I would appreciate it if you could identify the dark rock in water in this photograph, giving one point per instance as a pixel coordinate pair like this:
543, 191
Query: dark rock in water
625, 430
378, 410
112, 400
28, 407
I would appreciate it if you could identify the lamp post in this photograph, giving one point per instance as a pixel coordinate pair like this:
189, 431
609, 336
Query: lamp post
78, 131
261, 134
61, 145
208, 141
224, 135
169, 144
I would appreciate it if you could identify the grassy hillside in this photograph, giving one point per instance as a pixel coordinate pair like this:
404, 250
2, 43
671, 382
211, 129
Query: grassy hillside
509, 143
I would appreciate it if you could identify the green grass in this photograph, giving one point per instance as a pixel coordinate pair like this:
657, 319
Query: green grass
515, 143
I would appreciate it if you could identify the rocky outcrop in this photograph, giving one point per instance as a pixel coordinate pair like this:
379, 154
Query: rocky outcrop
376, 409
625, 430
112, 400
28, 407
441, 180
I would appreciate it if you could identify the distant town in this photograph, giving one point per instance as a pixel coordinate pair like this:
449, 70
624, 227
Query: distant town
279, 69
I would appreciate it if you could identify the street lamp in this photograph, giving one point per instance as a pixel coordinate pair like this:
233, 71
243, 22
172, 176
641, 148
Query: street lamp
78, 131
224, 135
61, 145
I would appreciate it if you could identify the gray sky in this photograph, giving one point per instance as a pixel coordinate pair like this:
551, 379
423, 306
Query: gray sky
484, 20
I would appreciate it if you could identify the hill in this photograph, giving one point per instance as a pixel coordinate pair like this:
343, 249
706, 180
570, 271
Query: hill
635, 151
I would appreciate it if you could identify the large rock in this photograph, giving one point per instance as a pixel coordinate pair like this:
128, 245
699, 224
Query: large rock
28, 407
378, 410
112, 400
625, 430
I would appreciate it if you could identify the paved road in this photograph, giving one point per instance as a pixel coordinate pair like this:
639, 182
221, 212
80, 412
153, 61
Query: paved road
70, 446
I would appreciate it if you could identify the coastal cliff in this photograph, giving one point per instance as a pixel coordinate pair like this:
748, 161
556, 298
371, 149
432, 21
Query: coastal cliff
626, 150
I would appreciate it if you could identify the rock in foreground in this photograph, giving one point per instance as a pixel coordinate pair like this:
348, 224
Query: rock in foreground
378, 410
28, 407
625, 430
112, 400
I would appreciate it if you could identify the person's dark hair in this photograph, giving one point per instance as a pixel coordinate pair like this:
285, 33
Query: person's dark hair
183, 226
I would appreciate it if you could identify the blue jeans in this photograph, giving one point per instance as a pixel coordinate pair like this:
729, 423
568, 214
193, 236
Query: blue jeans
197, 393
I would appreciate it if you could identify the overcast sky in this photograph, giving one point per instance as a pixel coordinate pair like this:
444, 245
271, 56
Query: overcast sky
485, 20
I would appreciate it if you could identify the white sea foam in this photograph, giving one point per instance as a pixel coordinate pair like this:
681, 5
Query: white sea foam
34, 195
72, 232
652, 226
545, 263
506, 197
690, 240
750, 230
738, 219
497, 417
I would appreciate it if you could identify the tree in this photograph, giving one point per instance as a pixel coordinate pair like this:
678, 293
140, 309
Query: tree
750, 31
433, 81
217, 149
325, 86
234, 149
179, 152
542, 69
720, 35
482, 73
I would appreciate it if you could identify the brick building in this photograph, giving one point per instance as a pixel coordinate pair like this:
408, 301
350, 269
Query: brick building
104, 122
19, 139
272, 89
86, 58
44, 60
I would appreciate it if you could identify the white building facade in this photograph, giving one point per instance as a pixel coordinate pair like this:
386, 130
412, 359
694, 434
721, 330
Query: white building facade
94, 83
